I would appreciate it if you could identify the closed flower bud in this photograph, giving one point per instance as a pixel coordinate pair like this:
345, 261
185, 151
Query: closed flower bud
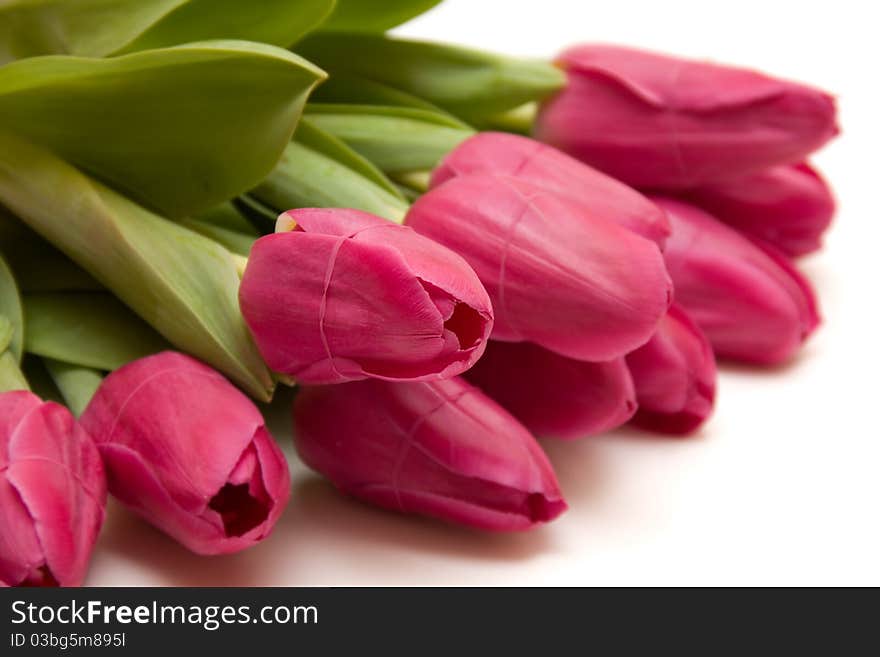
748, 299
543, 166
52, 493
674, 376
439, 448
788, 206
555, 396
346, 295
558, 275
188, 451
661, 122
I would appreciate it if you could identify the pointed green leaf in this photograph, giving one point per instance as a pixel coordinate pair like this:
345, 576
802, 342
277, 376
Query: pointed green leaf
395, 139
373, 16
318, 170
10, 313
181, 283
11, 376
76, 383
470, 84
180, 129
97, 28
92, 329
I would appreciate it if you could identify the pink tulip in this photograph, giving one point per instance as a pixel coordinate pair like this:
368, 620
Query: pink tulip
552, 395
346, 295
558, 276
440, 449
189, 452
674, 376
788, 206
662, 122
536, 163
747, 297
52, 493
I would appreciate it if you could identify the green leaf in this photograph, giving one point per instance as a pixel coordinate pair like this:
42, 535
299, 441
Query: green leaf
181, 283
11, 315
92, 329
227, 216
470, 84
372, 16
179, 130
351, 89
77, 384
97, 28
11, 376
261, 216
236, 242
318, 170
395, 139
36, 264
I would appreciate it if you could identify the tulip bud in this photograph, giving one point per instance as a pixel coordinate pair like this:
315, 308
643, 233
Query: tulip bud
550, 169
662, 122
748, 299
674, 376
440, 448
557, 275
552, 395
346, 295
52, 493
189, 452
788, 206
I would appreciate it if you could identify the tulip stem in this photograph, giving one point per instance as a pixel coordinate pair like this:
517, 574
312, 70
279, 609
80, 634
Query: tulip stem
77, 384
519, 120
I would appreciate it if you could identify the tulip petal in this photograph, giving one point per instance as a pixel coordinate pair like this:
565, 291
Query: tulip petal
366, 298
789, 206
557, 275
550, 169
440, 448
187, 451
674, 376
661, 122
552, 395
750, 301
56, 471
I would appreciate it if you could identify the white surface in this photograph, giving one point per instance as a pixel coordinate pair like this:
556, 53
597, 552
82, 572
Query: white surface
780, 487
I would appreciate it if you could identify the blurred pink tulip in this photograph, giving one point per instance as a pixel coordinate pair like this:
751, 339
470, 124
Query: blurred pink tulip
543, 166
440, 449
52, 493
674, 376
788, 206
558, 276
748, 299
189, 452
555, 396
346, 295
662, 122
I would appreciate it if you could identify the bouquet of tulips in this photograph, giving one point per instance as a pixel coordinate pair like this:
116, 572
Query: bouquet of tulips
449, 253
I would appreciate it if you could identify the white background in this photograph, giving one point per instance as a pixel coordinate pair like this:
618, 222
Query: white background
780, 487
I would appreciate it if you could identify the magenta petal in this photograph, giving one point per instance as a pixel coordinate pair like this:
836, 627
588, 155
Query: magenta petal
545, 167
789, 206
746, 297
557, 275
674, 376
440, 449
552, 395
52, 491
347, 296
662, 122
188, 451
